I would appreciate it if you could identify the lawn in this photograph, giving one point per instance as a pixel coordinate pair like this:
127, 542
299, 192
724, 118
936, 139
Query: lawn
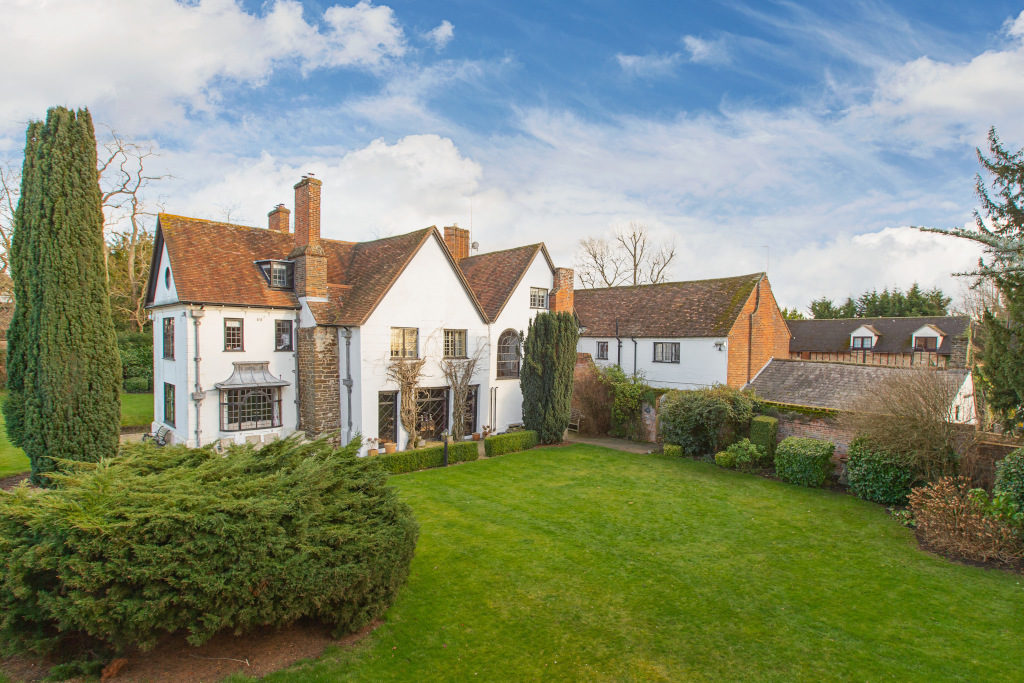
583, 563
136, 411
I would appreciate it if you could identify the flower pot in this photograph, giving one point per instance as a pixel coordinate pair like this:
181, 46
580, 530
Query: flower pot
372, 451
390, 447
476, 436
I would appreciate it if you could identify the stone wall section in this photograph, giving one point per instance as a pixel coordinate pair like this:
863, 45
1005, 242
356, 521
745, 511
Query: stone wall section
319, 380
759, 334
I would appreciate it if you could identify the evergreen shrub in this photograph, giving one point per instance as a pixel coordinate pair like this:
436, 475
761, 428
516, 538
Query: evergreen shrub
137, 385
425, 458
500, 444
743, 454
726, 459
878, 475
764, 431
672, 449
803, 461
1010, 479
136, 351
546, 375
175, 539
701, 421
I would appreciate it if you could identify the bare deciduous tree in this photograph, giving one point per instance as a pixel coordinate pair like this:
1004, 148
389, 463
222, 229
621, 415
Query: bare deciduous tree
406, 373
459, 373
911, 414
628, 258
10, 188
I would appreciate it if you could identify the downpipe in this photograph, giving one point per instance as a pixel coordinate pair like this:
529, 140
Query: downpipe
346, 332
197, 393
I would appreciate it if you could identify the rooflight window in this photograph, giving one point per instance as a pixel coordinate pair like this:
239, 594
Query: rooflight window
279, 274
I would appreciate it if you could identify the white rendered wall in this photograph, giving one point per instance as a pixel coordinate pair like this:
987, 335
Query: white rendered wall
164, 294
216, 365
701, 363
517, 314
428, 295
964, 400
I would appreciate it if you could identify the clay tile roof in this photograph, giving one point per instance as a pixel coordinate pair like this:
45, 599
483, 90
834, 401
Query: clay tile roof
194, 245
895, 335
359, 274
698, 308
494, 276
838, 386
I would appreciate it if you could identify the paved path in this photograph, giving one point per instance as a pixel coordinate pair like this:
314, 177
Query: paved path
617, 444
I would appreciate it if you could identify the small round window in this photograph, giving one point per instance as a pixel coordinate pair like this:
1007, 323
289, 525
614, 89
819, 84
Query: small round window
167, 278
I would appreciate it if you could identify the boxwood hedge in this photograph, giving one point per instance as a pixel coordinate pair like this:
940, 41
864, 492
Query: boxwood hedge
877, 475
425, 458
764, 432
803, 461
500, 444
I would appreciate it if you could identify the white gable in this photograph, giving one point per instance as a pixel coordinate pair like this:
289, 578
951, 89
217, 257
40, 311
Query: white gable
928, 331
165, 291
860, 333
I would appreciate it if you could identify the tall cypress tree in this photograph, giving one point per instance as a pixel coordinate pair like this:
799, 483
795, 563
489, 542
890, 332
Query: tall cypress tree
549, 357
63, 367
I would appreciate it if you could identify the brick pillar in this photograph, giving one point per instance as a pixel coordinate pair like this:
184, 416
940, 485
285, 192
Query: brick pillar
457, 240
319, 380
308, 254
278, 219
562, 295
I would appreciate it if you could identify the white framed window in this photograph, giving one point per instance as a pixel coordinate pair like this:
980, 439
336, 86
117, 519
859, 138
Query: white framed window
666, 352
602, 350
250, 408
405, 342
169, 406
862, 342
538, 297
283, 335
233, 339
508, 354
455, 343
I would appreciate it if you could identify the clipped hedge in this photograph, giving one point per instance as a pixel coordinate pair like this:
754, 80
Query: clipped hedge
803, 461
704, 420
744, 454
500, 444
1010, 479
764, 432
672, 449
878, 475
175, 539
425, 458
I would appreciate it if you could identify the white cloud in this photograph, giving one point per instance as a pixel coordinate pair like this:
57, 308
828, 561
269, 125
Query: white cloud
441, 35
146, 63
646, 66
706, 51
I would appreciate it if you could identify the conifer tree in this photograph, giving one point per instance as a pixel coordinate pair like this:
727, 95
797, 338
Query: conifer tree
549, 357
63, 365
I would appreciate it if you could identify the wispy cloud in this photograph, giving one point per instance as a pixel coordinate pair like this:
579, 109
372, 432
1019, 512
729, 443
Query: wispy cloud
441, 35
706, 51
646, 66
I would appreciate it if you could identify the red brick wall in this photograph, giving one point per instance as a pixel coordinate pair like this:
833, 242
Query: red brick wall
817, 428
310, 261
457, 240
562, 296
759, 334
307, 211
278, 219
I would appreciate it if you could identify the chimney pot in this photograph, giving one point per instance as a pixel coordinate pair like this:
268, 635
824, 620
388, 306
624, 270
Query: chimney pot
307, 211
562, 295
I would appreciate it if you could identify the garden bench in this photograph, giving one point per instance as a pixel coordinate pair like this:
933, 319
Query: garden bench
575, 417
159, 437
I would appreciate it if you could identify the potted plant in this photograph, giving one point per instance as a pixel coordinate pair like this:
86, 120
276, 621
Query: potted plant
371, 444
390, 447
476, 436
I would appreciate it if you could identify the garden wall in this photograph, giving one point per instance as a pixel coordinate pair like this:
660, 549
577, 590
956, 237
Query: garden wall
826, 428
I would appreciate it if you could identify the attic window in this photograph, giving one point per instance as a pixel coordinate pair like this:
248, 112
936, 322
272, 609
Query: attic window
279, 274
926, 343
862, 342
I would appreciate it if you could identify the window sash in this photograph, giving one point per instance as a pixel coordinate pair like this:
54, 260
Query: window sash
405, 342
250, 408
862, 342
169, 407
508, 354
455, 343
168, 338
926, 343
538, 297
387, 416
283, 335
233, 334
602, 350
666, 352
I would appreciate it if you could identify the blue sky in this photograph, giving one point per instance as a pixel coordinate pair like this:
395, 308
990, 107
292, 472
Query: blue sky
819, 130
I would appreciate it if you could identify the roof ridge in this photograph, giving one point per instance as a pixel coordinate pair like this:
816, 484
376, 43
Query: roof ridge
536, 245
880, 317
677, 282
246, 227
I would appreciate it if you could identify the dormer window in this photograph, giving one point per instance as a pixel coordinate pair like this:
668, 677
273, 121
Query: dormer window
279, 274
926, 343
862, 342
864, 338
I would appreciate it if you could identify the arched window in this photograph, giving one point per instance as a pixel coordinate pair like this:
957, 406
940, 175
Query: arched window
508, 354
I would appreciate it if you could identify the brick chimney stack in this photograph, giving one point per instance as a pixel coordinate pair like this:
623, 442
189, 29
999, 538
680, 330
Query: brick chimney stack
278, 218
310, 260
562, 296
457, 240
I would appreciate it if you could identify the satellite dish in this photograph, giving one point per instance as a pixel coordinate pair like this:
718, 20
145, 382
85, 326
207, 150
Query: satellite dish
475, 245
